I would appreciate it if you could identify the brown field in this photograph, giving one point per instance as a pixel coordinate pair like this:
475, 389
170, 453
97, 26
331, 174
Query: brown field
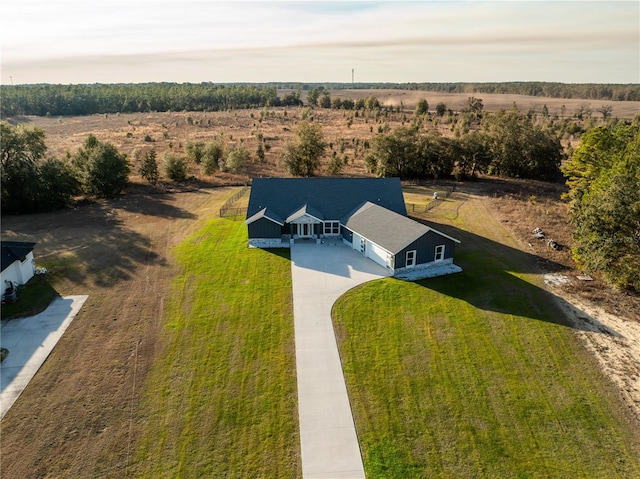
171, 131
75, 417
492, 102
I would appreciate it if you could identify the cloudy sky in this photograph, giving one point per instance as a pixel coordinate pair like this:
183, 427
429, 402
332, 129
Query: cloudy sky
107, 41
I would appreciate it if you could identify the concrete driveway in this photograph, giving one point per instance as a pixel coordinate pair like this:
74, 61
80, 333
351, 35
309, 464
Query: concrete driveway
29, 341
322, 273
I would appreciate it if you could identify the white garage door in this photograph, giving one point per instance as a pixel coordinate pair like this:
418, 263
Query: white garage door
377, 254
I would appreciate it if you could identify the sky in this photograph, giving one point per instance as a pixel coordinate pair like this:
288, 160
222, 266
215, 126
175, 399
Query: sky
131, 41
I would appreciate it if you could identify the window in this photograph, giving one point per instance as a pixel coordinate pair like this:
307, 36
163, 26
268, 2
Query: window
439, 253
331, 228
411, 258
363, 245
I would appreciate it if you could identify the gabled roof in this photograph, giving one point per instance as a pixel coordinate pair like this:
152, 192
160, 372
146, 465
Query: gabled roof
265, 213
387, 229
305, 210
14, 251
332, 198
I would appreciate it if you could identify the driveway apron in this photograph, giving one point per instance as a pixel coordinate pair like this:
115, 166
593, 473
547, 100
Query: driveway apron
321, 273
29, 341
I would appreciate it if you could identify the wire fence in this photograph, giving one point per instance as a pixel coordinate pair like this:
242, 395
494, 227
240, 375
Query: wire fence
419, 208
226, 209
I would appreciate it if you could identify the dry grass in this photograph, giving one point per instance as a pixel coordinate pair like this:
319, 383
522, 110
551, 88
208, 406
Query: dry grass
492, 102
75, 417
171, 131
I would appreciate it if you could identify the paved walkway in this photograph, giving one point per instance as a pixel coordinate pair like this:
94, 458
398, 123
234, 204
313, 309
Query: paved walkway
321, 274
29, 341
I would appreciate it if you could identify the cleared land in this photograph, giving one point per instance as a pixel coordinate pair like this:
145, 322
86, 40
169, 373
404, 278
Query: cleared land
78, 416
343, 131
478, 374
90, 411
221, 401
492, 102
124, 394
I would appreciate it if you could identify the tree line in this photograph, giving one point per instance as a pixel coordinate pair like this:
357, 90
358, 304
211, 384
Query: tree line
66, 100
603, 176
506, 143
31, 182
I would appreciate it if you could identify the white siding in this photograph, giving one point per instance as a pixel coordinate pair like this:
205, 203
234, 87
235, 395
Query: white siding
355, 244
18, 272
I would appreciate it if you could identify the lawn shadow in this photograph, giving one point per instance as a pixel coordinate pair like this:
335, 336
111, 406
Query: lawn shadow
87, 243
284, 253
491, 281
152, 205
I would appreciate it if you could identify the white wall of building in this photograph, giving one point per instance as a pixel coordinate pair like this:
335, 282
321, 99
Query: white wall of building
19, 272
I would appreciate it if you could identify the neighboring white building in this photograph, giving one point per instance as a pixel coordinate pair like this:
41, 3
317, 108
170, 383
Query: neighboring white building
18, 264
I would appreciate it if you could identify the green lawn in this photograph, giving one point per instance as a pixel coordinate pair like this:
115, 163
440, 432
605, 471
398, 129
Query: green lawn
223, 401
466, 376
33, 298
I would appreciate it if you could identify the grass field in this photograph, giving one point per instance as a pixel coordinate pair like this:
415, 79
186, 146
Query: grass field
222, 400
477, 375
181, 362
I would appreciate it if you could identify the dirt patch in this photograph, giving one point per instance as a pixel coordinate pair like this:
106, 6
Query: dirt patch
614, 341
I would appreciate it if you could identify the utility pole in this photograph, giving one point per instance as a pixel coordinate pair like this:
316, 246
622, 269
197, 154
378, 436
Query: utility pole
352, 77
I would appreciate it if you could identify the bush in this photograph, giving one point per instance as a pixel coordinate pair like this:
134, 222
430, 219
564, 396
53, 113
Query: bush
175, 168
211, 158
149, 168
235, 160
58, 184
102, 170
195, 151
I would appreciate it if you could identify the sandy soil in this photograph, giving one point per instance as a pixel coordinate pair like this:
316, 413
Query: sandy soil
607, 320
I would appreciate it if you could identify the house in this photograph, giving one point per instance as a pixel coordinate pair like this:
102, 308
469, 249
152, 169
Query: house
368, 214
18, 264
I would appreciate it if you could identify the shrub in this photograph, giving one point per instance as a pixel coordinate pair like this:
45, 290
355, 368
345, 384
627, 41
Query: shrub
102, 170
149, 168
235, 160
175, 168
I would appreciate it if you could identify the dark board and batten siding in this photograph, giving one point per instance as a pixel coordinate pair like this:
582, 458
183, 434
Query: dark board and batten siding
425, 248
264, 228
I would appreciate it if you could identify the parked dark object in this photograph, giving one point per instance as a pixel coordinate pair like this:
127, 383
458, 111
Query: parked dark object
10, 294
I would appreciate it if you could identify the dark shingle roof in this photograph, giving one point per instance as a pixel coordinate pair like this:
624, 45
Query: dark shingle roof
265, 213
12, 251
384, 227
333, 198
387, 229
305, 210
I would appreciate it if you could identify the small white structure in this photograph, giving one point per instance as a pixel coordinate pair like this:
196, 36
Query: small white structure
18, 263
